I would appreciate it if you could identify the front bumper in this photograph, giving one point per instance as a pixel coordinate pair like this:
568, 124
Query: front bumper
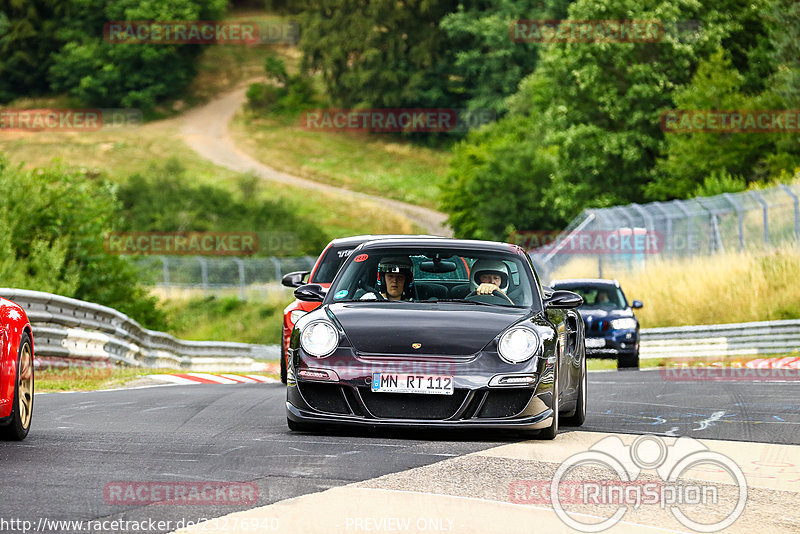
473, 404
535, 422
614, 343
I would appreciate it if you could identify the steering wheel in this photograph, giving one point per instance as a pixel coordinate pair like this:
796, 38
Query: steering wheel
372, 290
497, 297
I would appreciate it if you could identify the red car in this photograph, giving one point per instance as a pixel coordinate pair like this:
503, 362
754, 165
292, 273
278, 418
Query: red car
323, 272
16, 372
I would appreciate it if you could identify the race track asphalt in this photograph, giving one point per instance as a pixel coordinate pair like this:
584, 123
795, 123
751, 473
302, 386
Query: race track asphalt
81, 443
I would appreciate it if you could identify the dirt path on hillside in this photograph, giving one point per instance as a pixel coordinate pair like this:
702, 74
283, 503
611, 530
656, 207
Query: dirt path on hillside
205, 130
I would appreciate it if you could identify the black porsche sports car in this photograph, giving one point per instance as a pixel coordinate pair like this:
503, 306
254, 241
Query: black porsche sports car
439, 333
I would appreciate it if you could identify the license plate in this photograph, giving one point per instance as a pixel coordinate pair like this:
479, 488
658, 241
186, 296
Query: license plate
404, 383
595, 342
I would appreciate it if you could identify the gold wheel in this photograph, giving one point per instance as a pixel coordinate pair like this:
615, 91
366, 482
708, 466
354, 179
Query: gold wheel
25, 386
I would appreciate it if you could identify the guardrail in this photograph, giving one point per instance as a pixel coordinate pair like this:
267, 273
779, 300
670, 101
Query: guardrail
735, 339
68, 331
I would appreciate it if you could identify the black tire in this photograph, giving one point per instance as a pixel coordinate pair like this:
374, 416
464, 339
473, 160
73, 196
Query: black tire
22, 409
628, 361
552, 431
283, 362
579, 416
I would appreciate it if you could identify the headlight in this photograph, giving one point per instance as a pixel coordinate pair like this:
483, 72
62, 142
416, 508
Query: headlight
295, 315
628, 323
518, 344
319, 338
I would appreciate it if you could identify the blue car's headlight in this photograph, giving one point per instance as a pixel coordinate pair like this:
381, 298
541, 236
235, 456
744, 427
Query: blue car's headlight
319, 338
518, 345
626, 323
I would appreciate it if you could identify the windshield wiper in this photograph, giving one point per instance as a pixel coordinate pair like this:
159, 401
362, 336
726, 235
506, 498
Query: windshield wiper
464, 301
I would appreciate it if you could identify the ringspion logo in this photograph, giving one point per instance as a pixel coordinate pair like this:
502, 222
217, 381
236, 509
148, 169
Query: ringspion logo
675, 489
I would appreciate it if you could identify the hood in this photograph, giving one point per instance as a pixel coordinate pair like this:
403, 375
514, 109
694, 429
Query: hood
449, 330
604, 313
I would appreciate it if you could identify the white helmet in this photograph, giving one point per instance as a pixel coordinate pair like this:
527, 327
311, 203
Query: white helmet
489, 266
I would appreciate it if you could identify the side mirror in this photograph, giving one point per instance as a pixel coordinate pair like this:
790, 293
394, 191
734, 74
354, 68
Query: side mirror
562, 299
310, 293
294, 279
636, 304
547, 292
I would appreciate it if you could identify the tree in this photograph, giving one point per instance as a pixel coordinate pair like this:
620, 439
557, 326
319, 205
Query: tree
28, 36
690, 159
107, 74
53, 223
488, 64
381, 53
500, 181
784, 30
596, 106
165, 200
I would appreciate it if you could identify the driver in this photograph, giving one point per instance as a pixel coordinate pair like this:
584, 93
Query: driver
489, 276
602, 298
395, 275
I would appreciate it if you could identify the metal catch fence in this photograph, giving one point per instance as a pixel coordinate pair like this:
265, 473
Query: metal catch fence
243, 277
627, 237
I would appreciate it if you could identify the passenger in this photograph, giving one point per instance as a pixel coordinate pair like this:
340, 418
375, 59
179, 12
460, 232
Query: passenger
489, 276
395, 275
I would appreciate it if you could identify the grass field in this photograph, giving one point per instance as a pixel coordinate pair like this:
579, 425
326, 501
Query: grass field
119, 153
90, 379
377, 164
725, 288
87, 378
227, 318
123, 152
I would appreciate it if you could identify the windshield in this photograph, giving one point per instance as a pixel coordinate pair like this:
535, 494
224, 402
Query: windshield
329, 265
598, 296
436, 275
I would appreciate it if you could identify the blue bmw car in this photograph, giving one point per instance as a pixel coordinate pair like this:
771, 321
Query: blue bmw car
612, 330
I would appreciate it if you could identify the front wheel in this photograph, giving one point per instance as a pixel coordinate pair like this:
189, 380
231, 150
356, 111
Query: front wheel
22, 409
579, 417
552, 431
628, 361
